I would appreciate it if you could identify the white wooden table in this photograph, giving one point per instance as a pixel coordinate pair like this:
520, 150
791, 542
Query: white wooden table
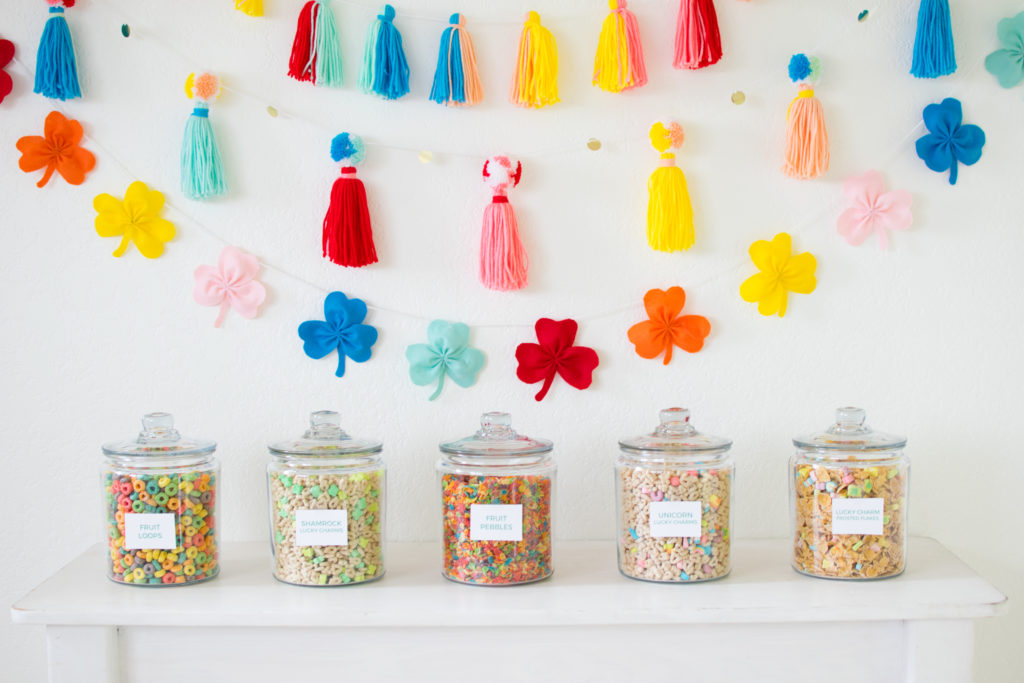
765, 622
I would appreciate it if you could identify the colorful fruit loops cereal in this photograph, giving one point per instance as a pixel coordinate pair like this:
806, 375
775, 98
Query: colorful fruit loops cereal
497, 562
328, 565
674, 559
192, 498
849, 556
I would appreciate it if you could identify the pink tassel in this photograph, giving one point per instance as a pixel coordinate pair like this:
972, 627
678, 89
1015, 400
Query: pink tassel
503, 260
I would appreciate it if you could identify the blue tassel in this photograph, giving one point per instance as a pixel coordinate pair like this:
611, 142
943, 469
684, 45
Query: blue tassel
452, 83
56, 71
934, 54
385, 70
202, 173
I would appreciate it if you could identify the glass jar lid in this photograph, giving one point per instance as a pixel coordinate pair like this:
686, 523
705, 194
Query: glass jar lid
325, 437
675, 434
849, 433
159, 438
496, 437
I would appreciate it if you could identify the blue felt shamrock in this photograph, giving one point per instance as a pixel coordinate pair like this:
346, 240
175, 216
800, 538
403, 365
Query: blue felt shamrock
949, 141
341, 330
448, 353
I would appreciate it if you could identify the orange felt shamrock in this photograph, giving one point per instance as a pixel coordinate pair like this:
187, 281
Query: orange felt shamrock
57, 150
666, 328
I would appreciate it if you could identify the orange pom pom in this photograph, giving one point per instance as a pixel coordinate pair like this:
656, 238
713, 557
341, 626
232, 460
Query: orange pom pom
205, 86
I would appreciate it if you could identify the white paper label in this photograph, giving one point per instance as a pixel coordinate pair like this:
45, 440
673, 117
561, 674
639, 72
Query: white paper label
149, 531
495, 522
676, 518
857, 515
321, 527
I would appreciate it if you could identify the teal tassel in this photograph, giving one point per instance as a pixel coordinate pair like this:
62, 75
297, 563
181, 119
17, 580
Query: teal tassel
202, 172
934, 53
56, 70
385, 70
326, 47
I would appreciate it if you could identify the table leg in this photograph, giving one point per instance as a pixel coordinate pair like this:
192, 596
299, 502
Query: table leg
82, 654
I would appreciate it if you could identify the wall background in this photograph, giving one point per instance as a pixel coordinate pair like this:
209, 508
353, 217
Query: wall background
925, 336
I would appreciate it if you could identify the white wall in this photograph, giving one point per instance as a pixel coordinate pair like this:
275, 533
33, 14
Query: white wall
925, 336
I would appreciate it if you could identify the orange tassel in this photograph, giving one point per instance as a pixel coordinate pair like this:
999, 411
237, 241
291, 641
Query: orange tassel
807, 148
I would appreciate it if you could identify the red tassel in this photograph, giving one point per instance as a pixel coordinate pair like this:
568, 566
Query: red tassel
698, 42
300, 66
348, 235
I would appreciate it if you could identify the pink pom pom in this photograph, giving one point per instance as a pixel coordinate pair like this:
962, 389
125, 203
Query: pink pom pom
206, 86
499, 174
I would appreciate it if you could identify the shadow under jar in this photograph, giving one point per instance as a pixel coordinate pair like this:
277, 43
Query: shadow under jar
848, 491
496, 489
160, 506
674, 494
326, 495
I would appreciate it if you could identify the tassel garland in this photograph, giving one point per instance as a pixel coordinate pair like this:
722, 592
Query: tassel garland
619, 62
316, 53
56, 70
807, 153
385, 70
503, 260
669, 211
202, 172
348, 235
456, 80
254, 8
535, 83
698, 42
934, 54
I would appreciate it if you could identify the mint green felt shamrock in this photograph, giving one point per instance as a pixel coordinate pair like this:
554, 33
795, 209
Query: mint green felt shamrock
1007, 65
448, 353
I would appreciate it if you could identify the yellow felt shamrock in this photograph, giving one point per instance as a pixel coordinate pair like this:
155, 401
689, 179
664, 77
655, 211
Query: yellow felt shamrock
781, 273
136, 218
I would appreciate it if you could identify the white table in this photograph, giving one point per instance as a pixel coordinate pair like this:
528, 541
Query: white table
765, 622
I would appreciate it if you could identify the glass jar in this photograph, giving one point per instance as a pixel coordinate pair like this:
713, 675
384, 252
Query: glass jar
326, 495
848, 491
160, 506
496, 489
673, 490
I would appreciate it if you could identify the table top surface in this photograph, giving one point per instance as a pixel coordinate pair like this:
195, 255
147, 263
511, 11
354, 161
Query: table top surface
586, 589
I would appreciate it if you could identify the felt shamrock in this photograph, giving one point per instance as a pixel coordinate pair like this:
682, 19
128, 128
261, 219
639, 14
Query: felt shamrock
873, 210
1007, 65
666, 328
231, 284
341, 330
6, 55
57, 150
136, 219
949, 141
781, 273
555, 354
448, 353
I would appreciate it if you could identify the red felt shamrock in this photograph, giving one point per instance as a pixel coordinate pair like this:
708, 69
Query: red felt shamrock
6, 55
555, 354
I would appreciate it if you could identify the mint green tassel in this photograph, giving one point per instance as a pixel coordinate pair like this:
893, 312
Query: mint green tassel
202, 172
369, 58
326, 46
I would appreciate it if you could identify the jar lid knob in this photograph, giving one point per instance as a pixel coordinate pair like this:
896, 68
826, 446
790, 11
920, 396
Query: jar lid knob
496, 425
675, 421
850, 418
158, 427
324, 424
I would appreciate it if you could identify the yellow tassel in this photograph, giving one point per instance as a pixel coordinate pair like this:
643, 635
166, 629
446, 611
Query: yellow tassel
619, 62
254, 8
535, 83
669, 211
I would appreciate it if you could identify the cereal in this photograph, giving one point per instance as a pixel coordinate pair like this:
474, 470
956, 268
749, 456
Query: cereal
359, 495
497, 562
643, 556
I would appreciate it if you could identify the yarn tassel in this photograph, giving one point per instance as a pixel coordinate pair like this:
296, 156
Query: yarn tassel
347, 233
807, 149
934, 53
56, 69
385, 70
503, 260
202, 172
698, 42
669, 211
316, 53
619, 62
456, 80
535, 83
254, 8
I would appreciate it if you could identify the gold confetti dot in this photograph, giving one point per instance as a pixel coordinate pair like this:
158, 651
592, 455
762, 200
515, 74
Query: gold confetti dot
272, 111
593, 144
426, 156
738, 97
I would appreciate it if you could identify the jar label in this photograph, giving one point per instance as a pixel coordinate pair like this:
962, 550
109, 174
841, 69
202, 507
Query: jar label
495, 522
149, 531
676, 518
857, 516
321, 527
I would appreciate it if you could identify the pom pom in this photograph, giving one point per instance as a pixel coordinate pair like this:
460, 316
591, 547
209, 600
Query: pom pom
456, 79
56, 68
669, 211
348, 233
349, 148
503, 260
254, 8
698, 42
934, 52
535, 83
205, 87
619, 62
799, 68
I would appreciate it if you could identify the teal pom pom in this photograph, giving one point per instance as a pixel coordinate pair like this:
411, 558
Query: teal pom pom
348, 147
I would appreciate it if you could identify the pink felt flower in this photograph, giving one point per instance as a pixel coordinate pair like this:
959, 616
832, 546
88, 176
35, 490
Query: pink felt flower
231, 284
873, 210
